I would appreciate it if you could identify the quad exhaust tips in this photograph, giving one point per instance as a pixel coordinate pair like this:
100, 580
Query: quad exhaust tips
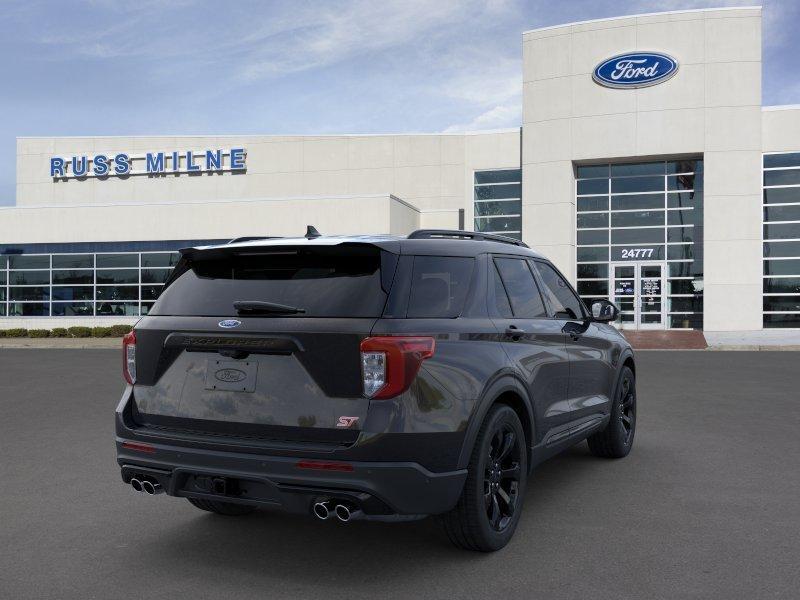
344, 513
148, 486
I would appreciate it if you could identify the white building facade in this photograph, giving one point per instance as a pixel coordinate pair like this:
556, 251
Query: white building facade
657, 180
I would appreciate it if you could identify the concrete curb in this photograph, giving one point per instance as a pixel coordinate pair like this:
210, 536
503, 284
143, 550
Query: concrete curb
67, 343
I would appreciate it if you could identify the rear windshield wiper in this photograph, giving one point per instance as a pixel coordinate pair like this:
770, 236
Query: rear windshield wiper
253, 307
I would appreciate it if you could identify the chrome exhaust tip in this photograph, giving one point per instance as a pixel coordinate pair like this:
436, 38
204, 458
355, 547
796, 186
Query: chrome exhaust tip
322, 510
344, 513
136, 484
151, 488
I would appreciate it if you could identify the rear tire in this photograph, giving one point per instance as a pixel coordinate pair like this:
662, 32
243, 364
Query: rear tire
488, 511
222, 508
616, 440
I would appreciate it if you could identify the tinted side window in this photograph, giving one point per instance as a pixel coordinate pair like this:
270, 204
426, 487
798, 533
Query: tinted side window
439, 286
526, 302
563, 301
500, 297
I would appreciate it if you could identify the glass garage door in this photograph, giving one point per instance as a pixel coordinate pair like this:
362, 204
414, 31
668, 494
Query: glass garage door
643, 214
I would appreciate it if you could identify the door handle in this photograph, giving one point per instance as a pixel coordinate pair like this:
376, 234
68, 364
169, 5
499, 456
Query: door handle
573, 330
514, 332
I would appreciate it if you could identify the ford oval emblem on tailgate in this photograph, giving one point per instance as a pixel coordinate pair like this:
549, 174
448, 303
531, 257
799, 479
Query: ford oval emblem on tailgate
229, 323
230, 375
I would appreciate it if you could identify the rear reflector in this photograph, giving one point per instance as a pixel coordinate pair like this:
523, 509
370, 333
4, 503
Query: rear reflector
389, 364
136, 446
322, 465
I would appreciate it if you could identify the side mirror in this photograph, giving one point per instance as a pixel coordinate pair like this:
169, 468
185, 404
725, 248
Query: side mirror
604, 311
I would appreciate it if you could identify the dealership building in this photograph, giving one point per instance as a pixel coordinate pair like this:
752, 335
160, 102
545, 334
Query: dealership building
646, 168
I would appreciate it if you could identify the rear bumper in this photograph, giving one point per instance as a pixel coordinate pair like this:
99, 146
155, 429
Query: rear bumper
380, 489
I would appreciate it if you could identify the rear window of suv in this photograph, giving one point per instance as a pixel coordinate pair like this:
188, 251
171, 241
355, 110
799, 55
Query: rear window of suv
325, 282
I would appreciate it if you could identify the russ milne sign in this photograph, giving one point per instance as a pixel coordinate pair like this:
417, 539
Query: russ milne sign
122, 164
635, 70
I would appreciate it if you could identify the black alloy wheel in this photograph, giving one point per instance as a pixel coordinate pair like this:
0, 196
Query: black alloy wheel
616, 439
501, 477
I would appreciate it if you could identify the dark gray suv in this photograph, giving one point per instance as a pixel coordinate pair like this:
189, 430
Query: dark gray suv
380, 377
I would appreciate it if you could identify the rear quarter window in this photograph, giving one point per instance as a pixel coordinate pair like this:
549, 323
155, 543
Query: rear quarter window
439, 286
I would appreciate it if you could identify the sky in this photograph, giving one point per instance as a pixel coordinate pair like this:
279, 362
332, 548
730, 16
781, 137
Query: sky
196, 67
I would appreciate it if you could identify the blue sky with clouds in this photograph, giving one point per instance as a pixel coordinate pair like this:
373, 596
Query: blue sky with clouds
149, 67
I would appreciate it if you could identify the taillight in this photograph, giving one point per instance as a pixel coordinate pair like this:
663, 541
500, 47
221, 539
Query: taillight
390, 363
129, 357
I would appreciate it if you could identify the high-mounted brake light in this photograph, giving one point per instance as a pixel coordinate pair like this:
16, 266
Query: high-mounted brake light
390, 363
129, 357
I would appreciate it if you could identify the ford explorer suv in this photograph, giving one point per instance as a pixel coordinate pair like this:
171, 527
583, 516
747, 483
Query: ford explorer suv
376, 377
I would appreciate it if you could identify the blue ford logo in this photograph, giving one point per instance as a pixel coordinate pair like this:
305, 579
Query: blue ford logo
635, 70
229, 323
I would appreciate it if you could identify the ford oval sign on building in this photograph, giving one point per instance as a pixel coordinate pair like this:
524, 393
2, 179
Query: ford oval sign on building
635, 70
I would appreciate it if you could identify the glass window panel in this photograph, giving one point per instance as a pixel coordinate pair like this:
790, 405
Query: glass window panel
684, 166
151, 292
686, 304
73, 261
2, 310
73, 276
2, 277
637, 184
563, 301
119, 309
498, 176
498, 224
643, 252
118, 276
72, 309
117, 260
684, 199
782, 231
637, 202
780, 249
681, 269
494, 192
526, 301
782, 267
624, 272
118, 292
686, 321
146, 306
789, 159
782, 303
3, 262
782, 213
597, 203
782, 195
24, 261
683, 251
592, 236
680, 234
592, 186
593, 288
586, 171
684, 182
648, 168
776, 321
787, 177
782, 285
160, 259
28, 309
509, 207
637, 219
2, 294
590, 220
592, 254
83, 292
29, 278
685, 286
637, 236
592, 271
155, 275
29, 293
684, 217
501, 297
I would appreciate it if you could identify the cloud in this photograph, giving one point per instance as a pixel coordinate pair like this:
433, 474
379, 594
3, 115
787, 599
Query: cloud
497, 117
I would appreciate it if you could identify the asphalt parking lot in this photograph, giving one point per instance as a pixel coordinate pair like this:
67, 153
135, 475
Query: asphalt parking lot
706, 506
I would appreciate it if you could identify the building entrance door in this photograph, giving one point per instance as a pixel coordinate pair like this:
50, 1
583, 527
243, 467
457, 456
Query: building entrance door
638, 289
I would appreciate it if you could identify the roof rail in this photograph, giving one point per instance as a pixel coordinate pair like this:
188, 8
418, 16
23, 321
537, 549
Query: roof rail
253, 238
421, 234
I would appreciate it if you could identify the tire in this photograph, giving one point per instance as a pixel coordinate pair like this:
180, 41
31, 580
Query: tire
222, 508
487, 513
616, 440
